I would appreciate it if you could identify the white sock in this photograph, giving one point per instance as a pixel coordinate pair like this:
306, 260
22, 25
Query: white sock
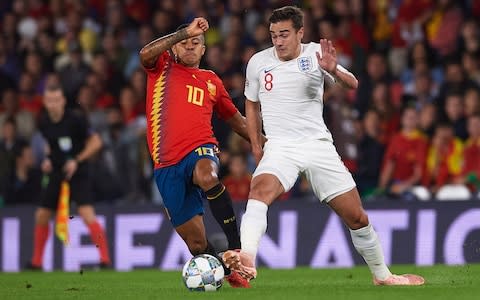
368, 245
254, 225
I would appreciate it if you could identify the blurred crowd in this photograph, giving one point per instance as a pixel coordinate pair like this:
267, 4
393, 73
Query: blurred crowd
414, 120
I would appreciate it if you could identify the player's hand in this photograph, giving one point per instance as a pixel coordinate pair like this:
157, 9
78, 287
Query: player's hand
257, 153
327, 59
69, 168
197, 27
46, 165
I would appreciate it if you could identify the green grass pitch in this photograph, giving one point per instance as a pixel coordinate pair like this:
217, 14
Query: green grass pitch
452, 283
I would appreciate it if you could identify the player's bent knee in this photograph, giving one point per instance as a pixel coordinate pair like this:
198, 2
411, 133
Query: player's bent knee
263, 193
358, 221
206, 181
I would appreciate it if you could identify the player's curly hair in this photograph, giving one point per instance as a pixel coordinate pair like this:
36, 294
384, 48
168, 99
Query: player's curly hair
288, 13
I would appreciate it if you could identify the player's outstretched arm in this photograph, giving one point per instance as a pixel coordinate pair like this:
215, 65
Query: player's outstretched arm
327, 59
254, 127
151, 51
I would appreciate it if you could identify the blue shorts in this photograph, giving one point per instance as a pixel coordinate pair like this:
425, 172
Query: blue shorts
182, 199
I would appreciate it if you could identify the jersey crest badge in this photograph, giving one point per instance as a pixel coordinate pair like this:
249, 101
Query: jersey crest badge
212, 89
305, 63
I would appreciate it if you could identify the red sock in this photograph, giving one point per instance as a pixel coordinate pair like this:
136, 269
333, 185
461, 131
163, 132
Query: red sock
39, 241
100, 240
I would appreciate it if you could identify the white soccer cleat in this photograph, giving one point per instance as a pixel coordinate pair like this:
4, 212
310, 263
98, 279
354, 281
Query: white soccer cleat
405, 279
240, 262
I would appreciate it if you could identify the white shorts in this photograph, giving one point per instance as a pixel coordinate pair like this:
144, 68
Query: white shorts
320, 161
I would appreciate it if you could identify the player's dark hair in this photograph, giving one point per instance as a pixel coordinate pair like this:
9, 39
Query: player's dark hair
286, 13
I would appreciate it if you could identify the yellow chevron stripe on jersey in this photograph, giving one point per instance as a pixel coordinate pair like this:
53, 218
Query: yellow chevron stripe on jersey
155, 114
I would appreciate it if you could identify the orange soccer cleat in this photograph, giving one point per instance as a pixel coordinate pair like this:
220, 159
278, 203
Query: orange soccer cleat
405, 279
240, 262
237, 281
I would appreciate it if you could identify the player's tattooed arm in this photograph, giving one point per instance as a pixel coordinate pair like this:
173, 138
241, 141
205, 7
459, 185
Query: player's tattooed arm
150, 52
345, 78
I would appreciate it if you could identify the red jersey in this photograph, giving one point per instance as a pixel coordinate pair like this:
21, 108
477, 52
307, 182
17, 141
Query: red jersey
406, 152
238, 188
471, 155
179, 106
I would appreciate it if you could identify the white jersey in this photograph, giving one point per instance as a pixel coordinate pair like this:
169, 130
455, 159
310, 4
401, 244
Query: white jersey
290, 94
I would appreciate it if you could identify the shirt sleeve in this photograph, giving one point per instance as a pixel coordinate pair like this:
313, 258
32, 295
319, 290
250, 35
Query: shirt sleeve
390, 154
252, 82
224, 106
161, 61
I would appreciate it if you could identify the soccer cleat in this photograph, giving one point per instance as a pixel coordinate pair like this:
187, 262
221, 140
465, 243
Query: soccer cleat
405, 279
240, 262
237, 281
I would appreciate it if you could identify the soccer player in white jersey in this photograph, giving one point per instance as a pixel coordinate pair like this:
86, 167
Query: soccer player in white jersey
287, 82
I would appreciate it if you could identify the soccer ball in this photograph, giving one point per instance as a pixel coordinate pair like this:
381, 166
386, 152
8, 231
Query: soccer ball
203, 273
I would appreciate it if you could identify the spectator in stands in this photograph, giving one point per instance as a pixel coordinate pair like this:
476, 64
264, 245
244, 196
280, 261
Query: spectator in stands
404, 159
340, 119
389, 117
455, 80
138, 82
470, 36
24, 182
376, 71
96, 116
145, 35
8, 68
76, 30
422, 88
444, 158
237, 182
34, 66
128, 105
472, 102
454, 114
370, 154
74, 73
8, 142
471, 65
29, 99
428, 119
116, 54
420, 53
24, 119
103, 97
444, 26
471, 164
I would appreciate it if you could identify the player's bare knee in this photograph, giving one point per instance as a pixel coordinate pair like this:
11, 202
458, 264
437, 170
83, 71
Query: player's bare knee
263, 193
207, 180
359, 220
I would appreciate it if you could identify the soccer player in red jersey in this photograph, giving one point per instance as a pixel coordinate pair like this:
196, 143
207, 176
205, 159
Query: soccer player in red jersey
180, 101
